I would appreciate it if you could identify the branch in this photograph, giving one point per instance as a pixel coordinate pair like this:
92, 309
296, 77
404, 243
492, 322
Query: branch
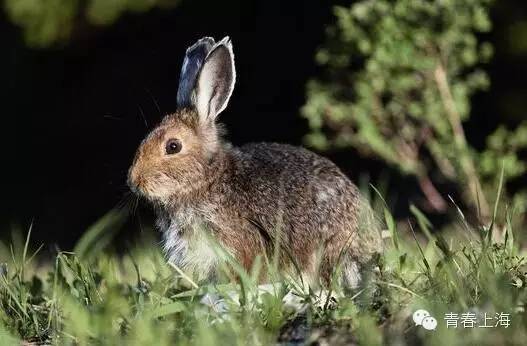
433, 197
467, 165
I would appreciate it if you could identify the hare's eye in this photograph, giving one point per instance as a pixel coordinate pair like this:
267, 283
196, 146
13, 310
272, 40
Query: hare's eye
173, 146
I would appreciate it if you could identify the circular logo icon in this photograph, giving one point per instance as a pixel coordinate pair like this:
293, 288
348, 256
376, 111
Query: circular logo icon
429, 323
419, 315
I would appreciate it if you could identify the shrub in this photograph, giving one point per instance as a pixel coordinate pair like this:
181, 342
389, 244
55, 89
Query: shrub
398, 78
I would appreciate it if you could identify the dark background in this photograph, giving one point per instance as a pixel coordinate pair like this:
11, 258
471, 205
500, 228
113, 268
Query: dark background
72, 116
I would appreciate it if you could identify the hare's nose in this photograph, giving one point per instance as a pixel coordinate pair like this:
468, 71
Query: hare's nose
133, 175
134, 179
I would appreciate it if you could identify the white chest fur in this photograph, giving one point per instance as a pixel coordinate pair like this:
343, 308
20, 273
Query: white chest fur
188, 243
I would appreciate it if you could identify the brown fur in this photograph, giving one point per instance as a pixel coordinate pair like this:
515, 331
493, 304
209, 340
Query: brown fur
258, 199
254, 197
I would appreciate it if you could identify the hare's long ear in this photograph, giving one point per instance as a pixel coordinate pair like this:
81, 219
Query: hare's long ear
215, 81
194, 58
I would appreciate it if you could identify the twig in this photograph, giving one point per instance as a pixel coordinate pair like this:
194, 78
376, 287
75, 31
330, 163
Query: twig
459, 137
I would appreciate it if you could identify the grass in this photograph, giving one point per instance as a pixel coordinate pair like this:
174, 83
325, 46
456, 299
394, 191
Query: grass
94, 296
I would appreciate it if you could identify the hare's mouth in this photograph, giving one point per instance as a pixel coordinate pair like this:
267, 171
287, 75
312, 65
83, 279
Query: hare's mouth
153, 191
143, 192
139, 186
136, 190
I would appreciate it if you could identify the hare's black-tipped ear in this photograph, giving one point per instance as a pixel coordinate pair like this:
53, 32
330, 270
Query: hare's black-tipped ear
194, 58
215, 81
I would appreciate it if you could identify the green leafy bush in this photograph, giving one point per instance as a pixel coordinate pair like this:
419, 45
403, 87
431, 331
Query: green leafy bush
398, 77
46, 22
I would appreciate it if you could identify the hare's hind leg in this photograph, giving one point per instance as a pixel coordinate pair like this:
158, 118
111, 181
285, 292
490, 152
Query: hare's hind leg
345, 274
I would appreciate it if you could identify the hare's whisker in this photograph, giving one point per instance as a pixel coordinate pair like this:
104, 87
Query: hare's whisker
155, 102
125, 201
143, 115
136, 205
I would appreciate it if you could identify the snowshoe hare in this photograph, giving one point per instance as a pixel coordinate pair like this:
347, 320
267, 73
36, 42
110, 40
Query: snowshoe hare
248, 199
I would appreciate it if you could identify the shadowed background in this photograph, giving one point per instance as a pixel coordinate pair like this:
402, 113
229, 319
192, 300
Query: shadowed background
74, 113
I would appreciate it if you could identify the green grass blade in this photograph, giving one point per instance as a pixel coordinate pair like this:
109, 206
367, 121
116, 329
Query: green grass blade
100, 235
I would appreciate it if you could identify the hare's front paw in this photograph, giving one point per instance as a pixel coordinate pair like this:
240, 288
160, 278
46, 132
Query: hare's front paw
215, 302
